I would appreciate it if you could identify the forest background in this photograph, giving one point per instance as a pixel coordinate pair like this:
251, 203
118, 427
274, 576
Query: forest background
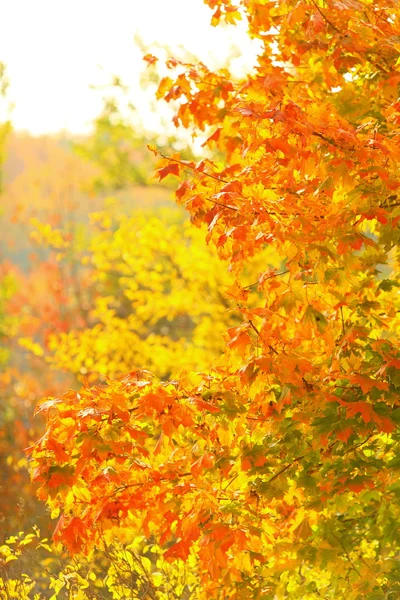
96, 277
82, 215
217, 398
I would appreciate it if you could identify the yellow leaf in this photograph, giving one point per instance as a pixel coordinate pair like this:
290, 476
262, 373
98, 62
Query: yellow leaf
10, 558
81, 493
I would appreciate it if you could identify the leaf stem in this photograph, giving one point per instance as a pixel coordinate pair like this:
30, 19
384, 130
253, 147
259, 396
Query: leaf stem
325, 17
191, 166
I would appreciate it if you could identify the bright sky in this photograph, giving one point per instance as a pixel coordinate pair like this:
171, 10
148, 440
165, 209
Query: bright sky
54, 50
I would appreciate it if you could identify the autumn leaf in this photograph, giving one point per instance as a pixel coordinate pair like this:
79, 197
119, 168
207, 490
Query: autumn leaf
178, 550
171, 169
344, 434
150, 59
366, 383
363, 408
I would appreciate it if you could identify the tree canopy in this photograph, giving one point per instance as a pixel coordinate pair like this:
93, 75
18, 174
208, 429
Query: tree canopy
274, 474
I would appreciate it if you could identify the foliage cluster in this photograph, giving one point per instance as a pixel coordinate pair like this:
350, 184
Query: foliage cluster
273, 473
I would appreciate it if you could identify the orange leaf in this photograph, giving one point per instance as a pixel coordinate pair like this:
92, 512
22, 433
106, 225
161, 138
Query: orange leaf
179, 550
366, 383
73, 534
205, 461
246, 464
202, 405
153, 401
364, 408
171, 169
240, 339
150, 59
58, 450
344, 434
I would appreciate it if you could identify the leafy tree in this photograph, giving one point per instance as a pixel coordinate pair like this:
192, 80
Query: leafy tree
4, 125
6, 282
275, 474
150, 306
117, 146
117, 149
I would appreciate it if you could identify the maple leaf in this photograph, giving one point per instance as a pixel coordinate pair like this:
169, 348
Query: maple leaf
303, 531
180, 549
58, 450
205, 461
46, 405
239, 339
73, 532
203, 405
363, 408
150, 59
315, 318
171, 169
366, 383
344, 434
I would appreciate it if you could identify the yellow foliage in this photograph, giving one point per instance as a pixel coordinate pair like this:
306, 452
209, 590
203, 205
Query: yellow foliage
161, 306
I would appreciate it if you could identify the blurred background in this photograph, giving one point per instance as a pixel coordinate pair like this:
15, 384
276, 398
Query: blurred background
100, 273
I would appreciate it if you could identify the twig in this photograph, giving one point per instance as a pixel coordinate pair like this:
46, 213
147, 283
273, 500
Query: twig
326, 139
254, 327
325, 17
266, 279
186, 164
223, 205
231, 481
258, 333
347, 554
343, 327
285, 468
353, 448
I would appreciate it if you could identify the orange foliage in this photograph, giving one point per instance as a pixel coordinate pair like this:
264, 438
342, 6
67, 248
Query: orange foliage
274, 473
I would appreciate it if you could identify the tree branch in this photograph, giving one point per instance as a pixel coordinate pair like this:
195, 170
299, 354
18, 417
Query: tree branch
186, 164
325, 17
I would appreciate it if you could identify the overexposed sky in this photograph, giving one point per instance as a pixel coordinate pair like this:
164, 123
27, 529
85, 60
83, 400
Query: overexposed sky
54, 50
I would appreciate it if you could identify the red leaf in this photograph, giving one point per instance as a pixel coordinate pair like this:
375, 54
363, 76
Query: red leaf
395, 362
179, 550
344, 434
150, 59
154, 401
171, 169
58, 450
384, 423
214, 137
366, 383
203, 405
182, 189
205, 461
363, 408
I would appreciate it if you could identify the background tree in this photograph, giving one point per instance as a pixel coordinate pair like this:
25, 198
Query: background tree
157, 298
90, 297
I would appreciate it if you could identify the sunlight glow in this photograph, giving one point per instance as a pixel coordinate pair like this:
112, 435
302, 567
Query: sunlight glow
55, 51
